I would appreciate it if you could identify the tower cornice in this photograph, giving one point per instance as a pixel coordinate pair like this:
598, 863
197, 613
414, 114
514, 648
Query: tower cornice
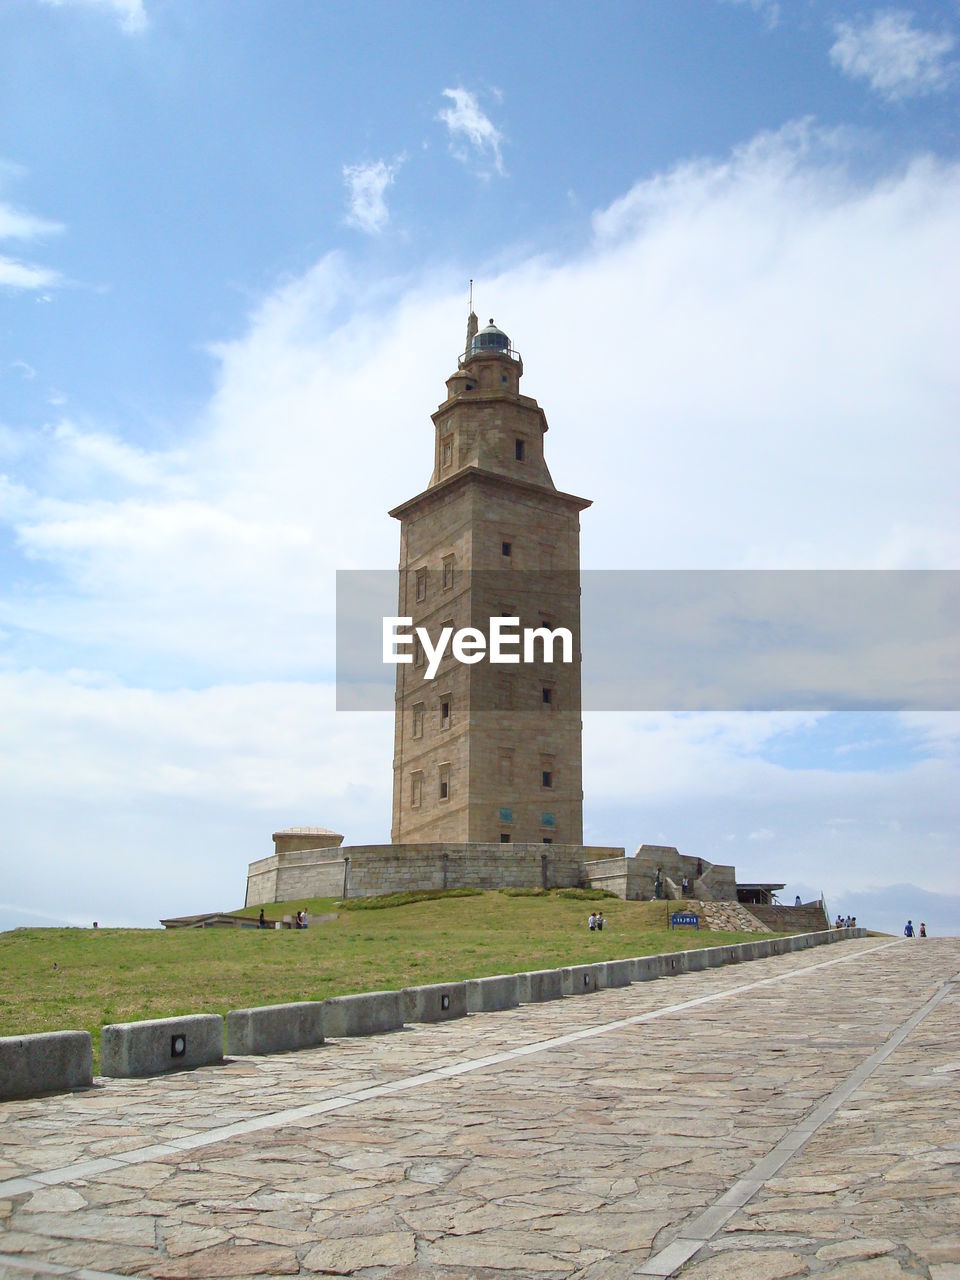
440, 491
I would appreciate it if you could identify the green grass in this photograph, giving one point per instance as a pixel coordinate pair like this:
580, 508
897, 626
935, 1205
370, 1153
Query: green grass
80, 979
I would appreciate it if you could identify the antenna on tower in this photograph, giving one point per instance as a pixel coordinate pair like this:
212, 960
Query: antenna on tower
473, 325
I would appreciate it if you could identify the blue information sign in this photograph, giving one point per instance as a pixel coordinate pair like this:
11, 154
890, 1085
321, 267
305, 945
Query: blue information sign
685, 917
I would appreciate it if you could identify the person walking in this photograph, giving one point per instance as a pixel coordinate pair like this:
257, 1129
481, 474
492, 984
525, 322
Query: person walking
908, 929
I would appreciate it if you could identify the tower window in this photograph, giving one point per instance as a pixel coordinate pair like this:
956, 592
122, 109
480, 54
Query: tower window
547, 777
421, 585
504, 837
446, 455
548, 839
506, 549
416, 790
445, 714
546, 695
419, 657
519, 450
506, 765
447, 578
444, 780
418, 720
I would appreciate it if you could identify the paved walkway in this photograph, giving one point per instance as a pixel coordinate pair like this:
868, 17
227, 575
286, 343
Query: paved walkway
794, 1116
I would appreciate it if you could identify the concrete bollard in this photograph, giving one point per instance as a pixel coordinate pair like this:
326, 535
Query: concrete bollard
366, 1014
539, 985
618, 973
163, 1044
437, 1002
484, 995
276, 1028
581, 978
646, 968
48, 1062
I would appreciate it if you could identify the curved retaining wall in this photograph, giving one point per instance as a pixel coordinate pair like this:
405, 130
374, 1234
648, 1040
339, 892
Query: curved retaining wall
62, 1060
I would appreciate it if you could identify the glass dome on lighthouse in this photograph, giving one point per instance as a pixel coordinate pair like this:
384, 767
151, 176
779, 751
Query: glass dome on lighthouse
490, 339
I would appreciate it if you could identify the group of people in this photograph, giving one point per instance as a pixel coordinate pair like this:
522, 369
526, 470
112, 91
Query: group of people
595, 921
843, 922
300, 922
910, 932
686, 884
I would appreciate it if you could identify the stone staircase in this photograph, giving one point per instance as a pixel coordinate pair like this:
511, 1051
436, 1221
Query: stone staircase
727, 917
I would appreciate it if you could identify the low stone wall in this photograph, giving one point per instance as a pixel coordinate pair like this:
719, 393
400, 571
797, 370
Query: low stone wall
783, 919
276, 1028
579, 979
57, 1061
488, 995
164, 1044
367, 1014
436, 1002
539, 985
50, 1062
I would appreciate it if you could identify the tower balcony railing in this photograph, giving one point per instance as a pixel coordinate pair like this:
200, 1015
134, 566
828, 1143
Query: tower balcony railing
510, 352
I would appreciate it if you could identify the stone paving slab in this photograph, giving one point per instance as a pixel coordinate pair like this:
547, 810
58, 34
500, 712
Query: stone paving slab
572, 1139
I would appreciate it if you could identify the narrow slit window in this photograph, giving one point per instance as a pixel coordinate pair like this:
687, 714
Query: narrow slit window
520, 449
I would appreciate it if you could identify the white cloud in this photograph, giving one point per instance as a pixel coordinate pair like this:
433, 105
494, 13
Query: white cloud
898, 59
129, 13
22, 275
467, 123
15, 224
366, 185
754, 363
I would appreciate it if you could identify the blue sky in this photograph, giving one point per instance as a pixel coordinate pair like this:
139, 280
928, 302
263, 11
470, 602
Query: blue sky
235, 240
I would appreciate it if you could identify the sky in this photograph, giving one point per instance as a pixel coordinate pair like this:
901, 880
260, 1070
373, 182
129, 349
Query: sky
236, 240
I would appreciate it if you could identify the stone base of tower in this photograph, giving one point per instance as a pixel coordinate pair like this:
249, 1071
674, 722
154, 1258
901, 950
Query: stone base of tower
367, 871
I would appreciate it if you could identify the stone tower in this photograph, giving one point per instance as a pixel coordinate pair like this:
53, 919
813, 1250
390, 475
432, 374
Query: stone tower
489, 753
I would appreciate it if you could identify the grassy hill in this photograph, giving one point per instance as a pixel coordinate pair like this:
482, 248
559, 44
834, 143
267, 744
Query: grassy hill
80, 979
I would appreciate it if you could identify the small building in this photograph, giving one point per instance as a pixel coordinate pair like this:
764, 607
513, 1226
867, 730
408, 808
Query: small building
761, 895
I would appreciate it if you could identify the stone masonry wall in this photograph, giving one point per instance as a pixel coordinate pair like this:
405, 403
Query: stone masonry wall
261, 882
784, 919
364, 871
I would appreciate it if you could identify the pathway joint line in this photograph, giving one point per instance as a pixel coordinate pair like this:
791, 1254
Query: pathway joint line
699, 1231
88, 1169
